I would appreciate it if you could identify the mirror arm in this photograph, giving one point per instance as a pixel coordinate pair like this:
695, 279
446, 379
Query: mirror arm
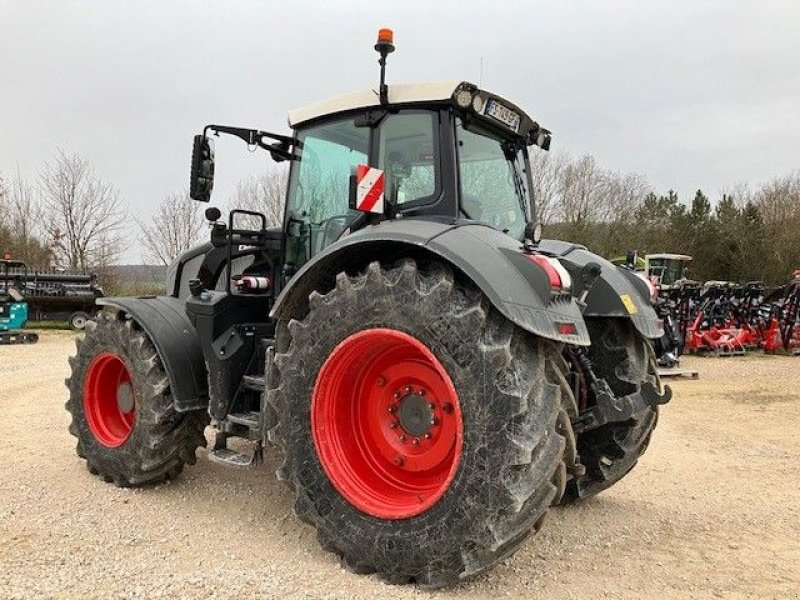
253, 137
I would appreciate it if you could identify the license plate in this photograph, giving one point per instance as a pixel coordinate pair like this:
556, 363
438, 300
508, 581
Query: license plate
503, 114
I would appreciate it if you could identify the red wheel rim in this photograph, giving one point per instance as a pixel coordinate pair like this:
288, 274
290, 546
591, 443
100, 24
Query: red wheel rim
108, 400
386, 423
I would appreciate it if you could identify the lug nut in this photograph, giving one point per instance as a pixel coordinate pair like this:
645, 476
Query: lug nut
422, 391
392, 409
416, 441
408, 389
434, 421
427, 436
392, 425
397, 395
432, 405
402, 437
399, 460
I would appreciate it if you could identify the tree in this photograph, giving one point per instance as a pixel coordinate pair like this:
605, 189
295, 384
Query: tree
582, 193
725, 254
84, 215
21, 233
753, 250
3, 205
264, 194
778, 202
545, 176
172, 230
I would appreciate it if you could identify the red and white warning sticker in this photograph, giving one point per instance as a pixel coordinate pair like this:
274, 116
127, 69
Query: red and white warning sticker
369, 189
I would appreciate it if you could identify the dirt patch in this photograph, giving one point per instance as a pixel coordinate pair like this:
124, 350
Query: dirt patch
711, 511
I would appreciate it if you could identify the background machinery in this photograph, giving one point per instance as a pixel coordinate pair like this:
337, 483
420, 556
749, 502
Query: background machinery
13, 309
54, 296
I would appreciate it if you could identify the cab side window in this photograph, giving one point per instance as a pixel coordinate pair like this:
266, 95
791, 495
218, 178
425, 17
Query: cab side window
319, 186
407, 154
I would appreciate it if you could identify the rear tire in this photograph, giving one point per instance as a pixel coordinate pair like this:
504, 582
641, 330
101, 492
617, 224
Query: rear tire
509, 466
625, 359
122, 410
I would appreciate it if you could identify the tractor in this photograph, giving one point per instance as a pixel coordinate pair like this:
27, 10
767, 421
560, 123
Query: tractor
431, 372
13, 308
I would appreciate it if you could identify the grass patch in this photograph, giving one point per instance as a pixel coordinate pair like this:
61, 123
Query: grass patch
47, 325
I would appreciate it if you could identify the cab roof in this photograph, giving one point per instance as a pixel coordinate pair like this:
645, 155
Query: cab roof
399, 93
683, 257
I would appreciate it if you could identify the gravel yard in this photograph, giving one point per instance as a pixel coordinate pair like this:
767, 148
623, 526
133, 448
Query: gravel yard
712, 510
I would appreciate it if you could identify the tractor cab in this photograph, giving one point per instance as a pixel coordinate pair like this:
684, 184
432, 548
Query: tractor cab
444, 150
666, 270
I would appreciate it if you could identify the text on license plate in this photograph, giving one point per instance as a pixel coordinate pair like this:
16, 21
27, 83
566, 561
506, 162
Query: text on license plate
503, 114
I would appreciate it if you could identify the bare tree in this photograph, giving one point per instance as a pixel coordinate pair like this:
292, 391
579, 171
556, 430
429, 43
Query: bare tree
22, 219
172, 230
3, 203
778, 202
265, 194
25, 212
583, 193
546, 169
84, 215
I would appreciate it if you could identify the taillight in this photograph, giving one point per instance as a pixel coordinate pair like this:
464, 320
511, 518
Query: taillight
566, 328
651, 287
556, 273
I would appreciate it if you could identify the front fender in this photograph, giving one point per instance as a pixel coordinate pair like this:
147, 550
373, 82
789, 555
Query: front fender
518, 288
617, 293
164, 320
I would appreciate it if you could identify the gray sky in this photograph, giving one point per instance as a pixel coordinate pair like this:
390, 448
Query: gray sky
691, 93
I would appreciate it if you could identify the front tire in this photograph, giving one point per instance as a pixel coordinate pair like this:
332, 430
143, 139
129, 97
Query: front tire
430, 510
625, 359
122, 410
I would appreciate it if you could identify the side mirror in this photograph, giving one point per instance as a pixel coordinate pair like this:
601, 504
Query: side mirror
540, 137
202, 175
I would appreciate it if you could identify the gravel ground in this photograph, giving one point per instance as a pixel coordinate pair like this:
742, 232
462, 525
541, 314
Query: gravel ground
712, 510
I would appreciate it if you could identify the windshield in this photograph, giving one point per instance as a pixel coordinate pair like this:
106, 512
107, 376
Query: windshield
668, 270
494, 180
319, 210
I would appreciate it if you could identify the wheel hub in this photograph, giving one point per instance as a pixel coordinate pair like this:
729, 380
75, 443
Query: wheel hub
415, 415
386, 423
125, 397
108, 399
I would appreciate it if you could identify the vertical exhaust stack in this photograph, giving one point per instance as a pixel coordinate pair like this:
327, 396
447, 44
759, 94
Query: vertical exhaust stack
385, 46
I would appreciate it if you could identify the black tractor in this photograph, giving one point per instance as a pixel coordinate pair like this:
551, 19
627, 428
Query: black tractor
434, 375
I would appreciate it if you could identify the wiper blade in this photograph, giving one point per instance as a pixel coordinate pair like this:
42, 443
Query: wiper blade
519, 186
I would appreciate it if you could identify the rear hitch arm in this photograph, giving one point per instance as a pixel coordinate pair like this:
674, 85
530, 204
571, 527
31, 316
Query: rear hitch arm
610, 408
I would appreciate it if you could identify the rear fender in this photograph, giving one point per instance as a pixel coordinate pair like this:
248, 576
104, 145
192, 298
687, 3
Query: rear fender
617, 293
517, 287
164, 320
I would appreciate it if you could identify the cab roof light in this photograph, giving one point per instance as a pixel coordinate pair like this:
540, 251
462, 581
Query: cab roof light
385, 36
